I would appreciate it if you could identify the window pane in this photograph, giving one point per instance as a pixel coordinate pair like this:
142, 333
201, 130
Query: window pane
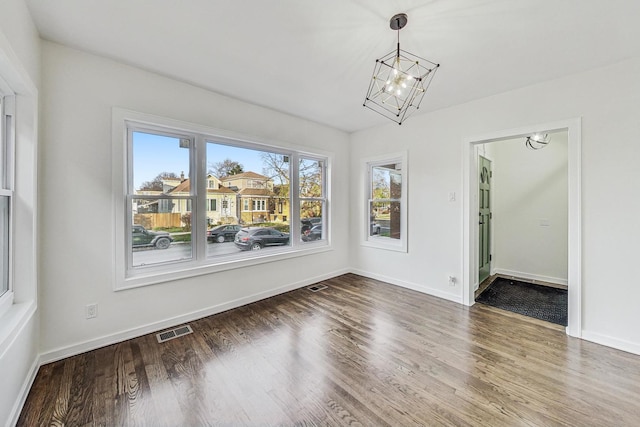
311, 178
385, 207
387, 182
311, 212
4, 244
160, 164
252, 189
161, 231
385, 219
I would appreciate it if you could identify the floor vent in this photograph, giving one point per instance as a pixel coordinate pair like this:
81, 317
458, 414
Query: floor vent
174, 333
316, 288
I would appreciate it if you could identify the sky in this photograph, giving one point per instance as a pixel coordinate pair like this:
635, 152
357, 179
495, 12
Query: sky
153, 154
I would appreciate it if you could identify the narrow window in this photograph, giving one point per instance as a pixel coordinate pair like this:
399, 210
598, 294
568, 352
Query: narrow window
313, 203
6, 194
160, 198
386, 219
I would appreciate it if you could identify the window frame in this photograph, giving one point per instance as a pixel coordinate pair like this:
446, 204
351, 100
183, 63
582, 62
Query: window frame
7, 170
323, 197
380, 242
125, 275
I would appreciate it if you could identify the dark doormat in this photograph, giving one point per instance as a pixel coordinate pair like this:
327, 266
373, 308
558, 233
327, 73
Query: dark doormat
541, 302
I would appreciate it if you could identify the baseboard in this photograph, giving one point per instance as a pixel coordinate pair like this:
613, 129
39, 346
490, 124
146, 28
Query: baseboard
410, 285
23, 394
79, 348
618, 344
530, 276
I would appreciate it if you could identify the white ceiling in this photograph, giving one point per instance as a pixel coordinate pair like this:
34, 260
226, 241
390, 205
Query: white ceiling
314, 59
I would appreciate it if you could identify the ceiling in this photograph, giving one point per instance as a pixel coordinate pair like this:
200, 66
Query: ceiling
314, 59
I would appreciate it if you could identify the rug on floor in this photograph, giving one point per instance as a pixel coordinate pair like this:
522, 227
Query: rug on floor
540, 302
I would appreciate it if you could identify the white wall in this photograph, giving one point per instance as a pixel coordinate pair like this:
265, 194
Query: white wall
20, 67
608, 100
79, 91
530, 209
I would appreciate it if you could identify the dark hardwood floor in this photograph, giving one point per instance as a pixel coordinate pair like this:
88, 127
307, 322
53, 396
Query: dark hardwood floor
360, 352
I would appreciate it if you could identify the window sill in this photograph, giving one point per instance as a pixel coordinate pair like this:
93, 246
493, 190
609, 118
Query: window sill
176, 272
384, 243
12, 321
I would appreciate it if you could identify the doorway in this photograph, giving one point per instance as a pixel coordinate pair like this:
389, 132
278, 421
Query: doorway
523, 234
471, 230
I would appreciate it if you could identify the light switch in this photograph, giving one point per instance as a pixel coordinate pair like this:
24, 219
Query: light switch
452, 196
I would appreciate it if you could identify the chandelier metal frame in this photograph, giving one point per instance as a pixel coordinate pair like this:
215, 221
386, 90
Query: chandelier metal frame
400, 80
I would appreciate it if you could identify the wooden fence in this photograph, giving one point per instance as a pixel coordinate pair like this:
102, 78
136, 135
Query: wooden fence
151, 221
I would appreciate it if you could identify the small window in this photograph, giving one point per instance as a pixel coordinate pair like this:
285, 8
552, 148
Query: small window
386, 220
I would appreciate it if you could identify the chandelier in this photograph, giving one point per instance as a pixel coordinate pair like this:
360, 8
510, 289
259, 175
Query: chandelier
400, 80
537, 141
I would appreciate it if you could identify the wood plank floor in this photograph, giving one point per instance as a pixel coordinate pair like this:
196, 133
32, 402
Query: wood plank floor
360, 352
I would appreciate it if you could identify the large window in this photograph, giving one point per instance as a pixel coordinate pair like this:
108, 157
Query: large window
386, 213
6, 194
177, 224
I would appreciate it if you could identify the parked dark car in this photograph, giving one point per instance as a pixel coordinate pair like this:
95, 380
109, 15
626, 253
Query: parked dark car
315, 220
223, 233
157, 239
305, 227
314, 233
255, 238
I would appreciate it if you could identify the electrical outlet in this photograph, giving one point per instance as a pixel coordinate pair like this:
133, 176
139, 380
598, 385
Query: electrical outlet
452, 281
91, 311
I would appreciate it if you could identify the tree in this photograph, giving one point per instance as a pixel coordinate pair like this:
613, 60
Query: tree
236, 169
186, 221
381, 183
310, 176
276, 167
225, 168
156, 183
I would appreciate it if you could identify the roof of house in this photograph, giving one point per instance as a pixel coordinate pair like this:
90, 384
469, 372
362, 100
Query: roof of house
221, 189
248, 174
185, 187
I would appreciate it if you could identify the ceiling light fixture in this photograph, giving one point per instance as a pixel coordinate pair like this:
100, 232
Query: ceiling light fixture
400, 80
537, 141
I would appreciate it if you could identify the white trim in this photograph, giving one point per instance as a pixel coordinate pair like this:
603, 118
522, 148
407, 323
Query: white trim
628, 346
531, 276
92, 344
21, 398
470, 226
174, 272
13, 322
457, 298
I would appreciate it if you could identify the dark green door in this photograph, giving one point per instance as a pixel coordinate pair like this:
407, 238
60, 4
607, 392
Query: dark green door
484, 204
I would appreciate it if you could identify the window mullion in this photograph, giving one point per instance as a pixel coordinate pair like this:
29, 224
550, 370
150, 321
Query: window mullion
294, 179
199, 214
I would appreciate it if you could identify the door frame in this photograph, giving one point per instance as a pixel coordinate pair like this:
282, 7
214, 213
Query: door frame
470, 204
